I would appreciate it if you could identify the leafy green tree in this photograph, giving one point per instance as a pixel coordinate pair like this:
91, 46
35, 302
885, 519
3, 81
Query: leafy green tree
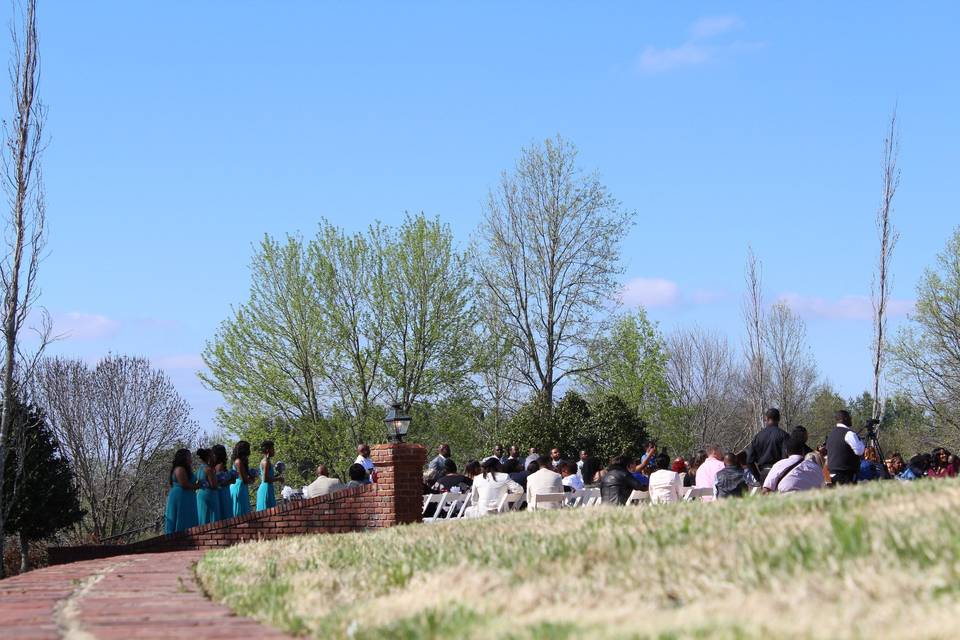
570, 426
44, 499
429, 310
631, 363
614, 428
926, 355
818, 418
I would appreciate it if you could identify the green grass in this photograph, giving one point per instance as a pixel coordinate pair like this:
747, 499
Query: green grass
880, 560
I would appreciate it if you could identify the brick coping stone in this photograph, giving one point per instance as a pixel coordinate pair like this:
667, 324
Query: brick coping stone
147, 595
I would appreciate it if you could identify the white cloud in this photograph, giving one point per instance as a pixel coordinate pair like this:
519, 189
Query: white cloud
851, 307
712, 26
656, 60
650, 292
190, 361
700, 47
84, 326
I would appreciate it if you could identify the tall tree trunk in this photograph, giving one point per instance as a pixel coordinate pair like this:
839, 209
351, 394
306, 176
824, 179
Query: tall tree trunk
24, 554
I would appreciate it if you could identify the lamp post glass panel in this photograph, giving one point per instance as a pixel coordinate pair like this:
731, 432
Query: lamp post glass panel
397, 423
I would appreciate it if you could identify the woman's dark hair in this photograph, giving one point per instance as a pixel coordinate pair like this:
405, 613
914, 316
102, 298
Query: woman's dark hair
241, 451
204, 455
357, 472
663, 461
698, 459
590, 468
512, 466
219, 454
180, 459
490, 465
266, 445
533, 467
449, 466
622, 460
472, 469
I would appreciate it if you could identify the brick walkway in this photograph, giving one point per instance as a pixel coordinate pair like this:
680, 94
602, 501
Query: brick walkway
138, 596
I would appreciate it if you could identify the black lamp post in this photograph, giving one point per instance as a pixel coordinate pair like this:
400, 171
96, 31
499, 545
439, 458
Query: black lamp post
397, 423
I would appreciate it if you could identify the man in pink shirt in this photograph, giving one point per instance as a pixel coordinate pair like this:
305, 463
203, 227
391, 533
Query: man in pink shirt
707, 473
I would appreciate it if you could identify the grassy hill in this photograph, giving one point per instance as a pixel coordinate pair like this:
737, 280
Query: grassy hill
879, 560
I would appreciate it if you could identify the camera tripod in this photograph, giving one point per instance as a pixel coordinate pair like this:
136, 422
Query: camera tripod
873, 440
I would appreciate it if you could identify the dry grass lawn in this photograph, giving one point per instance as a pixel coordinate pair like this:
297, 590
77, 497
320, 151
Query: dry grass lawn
875, 561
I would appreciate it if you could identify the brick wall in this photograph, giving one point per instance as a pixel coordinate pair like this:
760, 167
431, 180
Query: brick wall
396, 498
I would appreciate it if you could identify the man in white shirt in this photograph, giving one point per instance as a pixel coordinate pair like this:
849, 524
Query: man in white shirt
793, 473
363, 458
844, 449
532, 457
323, 484
436, 465
545, 480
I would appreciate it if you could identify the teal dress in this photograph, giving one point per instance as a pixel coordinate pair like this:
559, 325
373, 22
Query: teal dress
225, 501
265, 497
181, 510
240, 497
208, 502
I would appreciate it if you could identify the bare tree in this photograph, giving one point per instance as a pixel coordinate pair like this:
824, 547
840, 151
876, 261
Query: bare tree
552, 254
116, 423
880, 291
702, 375
754, 317
791, 371
24, 229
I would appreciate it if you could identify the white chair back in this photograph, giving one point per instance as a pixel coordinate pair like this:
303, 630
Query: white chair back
509, 502
695, 493
638, 497
455, 505
548, 498
436, 499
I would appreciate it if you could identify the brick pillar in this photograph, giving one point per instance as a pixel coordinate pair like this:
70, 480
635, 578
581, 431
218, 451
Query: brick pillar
400, 481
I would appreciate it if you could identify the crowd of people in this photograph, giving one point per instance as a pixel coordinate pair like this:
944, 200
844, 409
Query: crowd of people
775, 461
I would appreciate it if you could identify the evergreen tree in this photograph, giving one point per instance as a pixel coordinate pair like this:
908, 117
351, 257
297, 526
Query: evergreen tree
45, 499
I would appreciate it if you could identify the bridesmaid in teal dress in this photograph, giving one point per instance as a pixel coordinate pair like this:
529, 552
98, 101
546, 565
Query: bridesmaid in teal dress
223, 490
239, 493
208, 499
266, 499
181, 510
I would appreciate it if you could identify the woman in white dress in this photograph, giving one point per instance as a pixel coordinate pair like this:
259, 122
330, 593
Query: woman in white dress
665, 485
489, 488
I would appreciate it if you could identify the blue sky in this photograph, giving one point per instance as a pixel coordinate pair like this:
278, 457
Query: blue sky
181, 132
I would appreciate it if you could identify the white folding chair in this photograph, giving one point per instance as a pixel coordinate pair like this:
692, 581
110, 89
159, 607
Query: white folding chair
455, 505
695, 493
754, 491
467, 503
638, 497
540, 499
434, 498
510, 502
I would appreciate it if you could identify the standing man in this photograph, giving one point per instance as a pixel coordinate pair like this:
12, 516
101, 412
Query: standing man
844, 448
555, 459
499, 455
514, 454
766, 449
436, 466
363, 459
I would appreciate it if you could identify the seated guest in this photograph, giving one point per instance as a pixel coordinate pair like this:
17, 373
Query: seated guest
472, 470
707, 472
941, 465
799, 432
895, 465
730, 480
489, 488
679, 465
793, 473
870, 468
451, 480
698, 459
571, 479
917, 468
358, 476
638, 471
517, 473
544, 480
323, 485
617, 483
590, 471
665, 485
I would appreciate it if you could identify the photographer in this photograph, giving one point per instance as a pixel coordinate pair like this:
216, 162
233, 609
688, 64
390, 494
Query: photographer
844, 449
